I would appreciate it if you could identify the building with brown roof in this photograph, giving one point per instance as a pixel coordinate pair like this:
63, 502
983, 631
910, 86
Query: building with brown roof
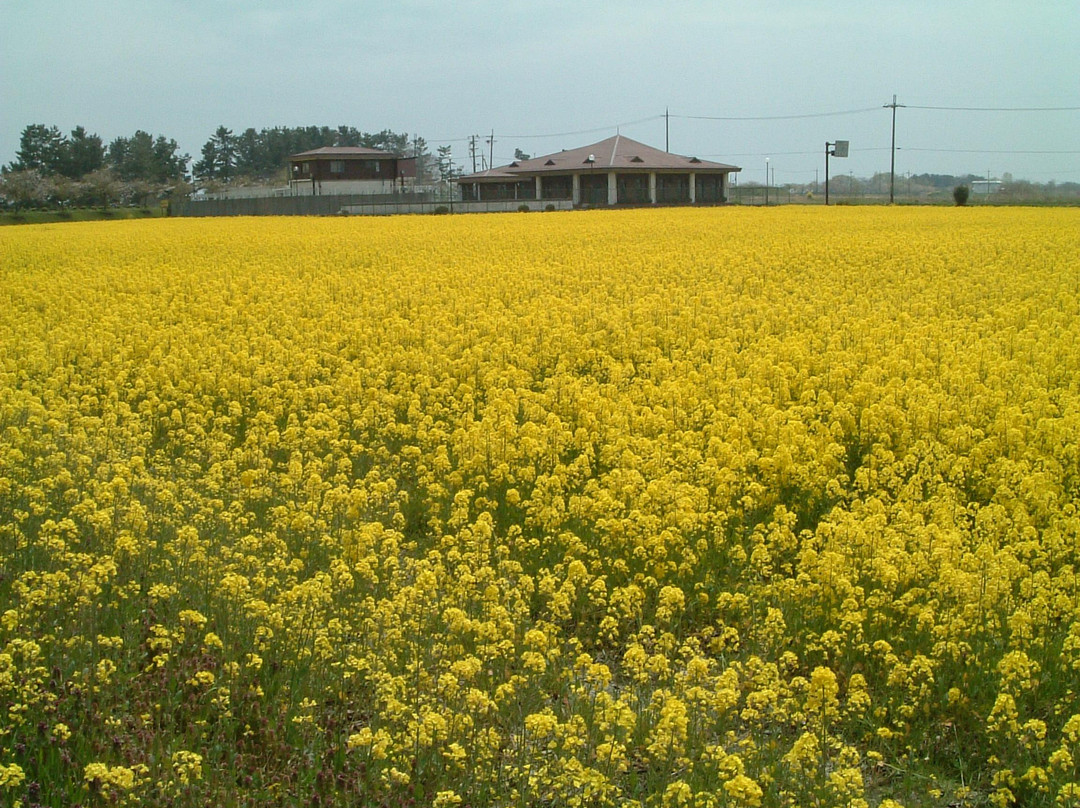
350, 170
614, 171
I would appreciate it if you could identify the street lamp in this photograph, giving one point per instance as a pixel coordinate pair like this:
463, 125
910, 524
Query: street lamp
766, 182
839, 149
591, 160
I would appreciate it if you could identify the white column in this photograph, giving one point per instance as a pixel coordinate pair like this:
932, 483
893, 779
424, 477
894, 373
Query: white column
652, 187
612, 189
576, 195
539, 188
693, 188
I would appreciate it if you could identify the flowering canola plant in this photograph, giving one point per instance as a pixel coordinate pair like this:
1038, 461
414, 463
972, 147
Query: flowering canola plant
712, 507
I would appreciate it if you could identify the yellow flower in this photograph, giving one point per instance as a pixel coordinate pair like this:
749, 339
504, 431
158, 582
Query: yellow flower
187, 766
821, 694
446, 799
677, 794
190, 617
108, 778
11, 775
563, 503
744, 791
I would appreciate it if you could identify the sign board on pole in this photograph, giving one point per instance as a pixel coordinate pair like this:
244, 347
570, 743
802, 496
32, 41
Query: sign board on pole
840, 149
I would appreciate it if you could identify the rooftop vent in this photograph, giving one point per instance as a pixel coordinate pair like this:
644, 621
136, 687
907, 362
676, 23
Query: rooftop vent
694, 160
513, 164
550, 163
636, 159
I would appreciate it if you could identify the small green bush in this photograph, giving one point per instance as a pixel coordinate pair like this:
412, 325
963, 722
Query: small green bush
960, 194
549, 207
441, 209
523, 208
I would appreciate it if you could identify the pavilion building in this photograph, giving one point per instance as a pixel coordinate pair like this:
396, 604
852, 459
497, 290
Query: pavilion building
615, 171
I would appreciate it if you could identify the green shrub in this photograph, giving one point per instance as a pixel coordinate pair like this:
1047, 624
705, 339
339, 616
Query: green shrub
441, 209
960, 194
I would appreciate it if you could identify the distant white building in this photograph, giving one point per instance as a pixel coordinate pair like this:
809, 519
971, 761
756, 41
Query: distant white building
986, 186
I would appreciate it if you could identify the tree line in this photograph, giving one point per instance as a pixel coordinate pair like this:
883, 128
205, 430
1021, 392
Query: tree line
262, 154
139, 157
53, 169
56, 169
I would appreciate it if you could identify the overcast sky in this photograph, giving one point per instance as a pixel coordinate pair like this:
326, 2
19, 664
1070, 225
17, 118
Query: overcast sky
547, 75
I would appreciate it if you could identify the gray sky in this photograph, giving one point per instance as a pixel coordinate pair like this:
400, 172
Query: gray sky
445, 70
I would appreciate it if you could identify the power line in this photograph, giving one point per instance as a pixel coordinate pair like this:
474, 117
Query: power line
789, 117
996, 109
987, 151
469, 138
789, 153
588, 131
774, 117
667, 115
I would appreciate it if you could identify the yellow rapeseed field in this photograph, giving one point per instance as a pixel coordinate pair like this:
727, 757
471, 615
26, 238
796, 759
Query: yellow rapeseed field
716, 507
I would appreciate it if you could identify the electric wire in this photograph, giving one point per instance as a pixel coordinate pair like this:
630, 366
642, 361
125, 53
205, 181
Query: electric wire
994, 109
809, 115
774, 117
589, 131
987, 151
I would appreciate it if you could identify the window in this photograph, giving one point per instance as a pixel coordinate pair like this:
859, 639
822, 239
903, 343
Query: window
672, 188
710, 187
633, 188
337, 166
594, 189
557, 187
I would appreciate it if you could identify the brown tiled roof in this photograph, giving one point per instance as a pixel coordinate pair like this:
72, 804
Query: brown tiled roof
618, 152
341, 152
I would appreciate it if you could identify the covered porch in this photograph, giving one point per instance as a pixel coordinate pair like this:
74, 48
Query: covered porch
596, 188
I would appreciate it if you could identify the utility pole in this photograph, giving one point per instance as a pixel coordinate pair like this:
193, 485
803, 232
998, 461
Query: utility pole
491, 150
892, 158
667, 130
472, 151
